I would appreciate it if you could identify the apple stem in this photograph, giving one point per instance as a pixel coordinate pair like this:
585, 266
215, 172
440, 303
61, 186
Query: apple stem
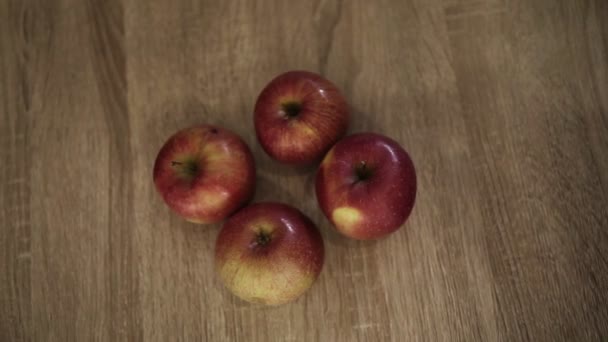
189, 168
362, 170
262, 239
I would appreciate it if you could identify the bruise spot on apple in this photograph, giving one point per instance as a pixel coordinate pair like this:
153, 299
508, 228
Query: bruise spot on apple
346, 218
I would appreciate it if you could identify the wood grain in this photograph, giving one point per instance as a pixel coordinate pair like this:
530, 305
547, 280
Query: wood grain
503, 106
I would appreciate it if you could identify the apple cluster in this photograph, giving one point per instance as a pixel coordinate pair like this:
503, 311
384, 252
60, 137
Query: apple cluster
271, 253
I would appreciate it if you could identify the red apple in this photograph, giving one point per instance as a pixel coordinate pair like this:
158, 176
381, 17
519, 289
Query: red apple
204, 173
299, 116
366, 186
269, 253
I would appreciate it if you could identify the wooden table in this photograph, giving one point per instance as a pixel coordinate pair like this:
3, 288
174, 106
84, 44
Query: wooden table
503, 105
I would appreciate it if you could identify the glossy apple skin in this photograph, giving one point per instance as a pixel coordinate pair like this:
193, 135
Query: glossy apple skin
367, 208
222, 178
278, 271
303, 139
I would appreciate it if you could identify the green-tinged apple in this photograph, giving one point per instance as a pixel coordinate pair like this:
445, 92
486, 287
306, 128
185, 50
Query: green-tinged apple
269, 253
366, 186
299, 116
205, 173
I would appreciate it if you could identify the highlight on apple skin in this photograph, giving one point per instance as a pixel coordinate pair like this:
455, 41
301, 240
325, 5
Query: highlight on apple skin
205, 173
366, 186
269, 253
298, 116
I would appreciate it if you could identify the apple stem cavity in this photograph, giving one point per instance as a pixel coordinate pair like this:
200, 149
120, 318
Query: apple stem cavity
362, 172
189, 169
291, 109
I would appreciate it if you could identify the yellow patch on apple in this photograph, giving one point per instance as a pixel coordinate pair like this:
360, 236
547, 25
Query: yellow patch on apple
196, 220
328, 157
261, 281
346, 218
308, 131
213, 201
214, 152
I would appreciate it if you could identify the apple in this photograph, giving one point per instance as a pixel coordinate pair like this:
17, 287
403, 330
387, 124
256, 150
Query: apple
269, 253
366, 186
205, 173
298, 116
